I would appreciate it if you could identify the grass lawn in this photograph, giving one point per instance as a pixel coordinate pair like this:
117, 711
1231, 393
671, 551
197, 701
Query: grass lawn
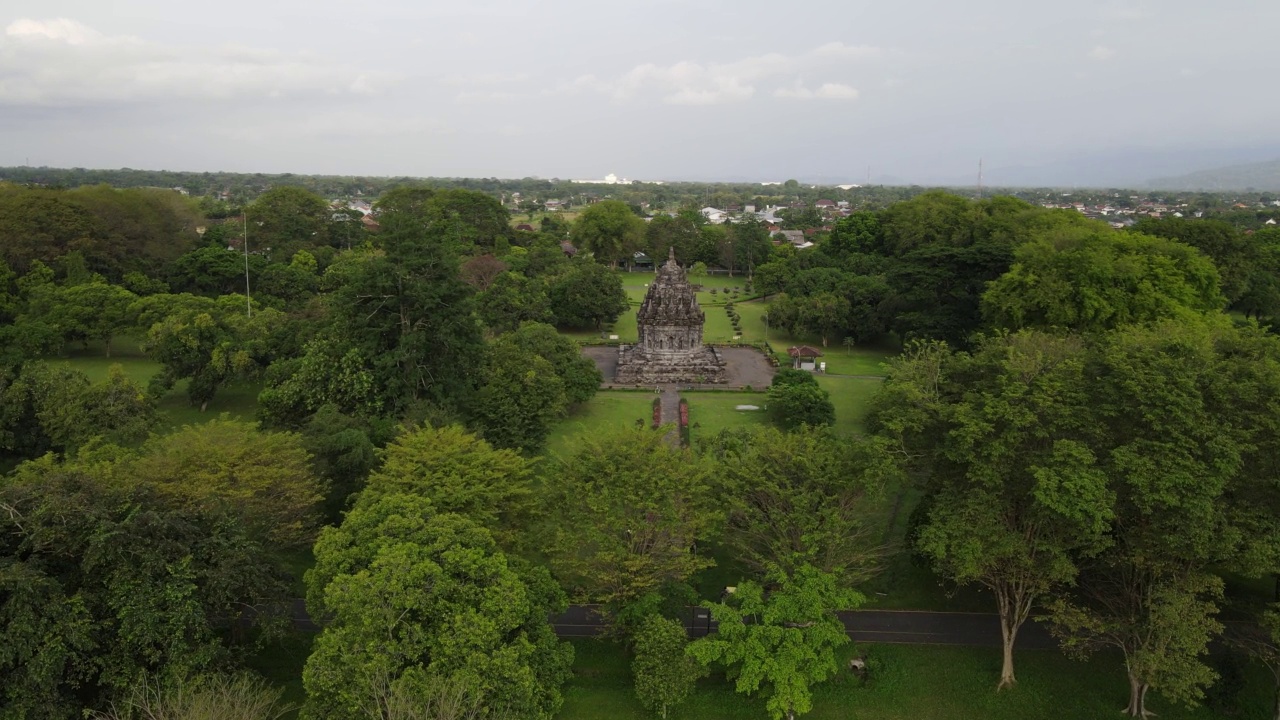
850, 396
608, 409
908, 682
716, 411
238, 400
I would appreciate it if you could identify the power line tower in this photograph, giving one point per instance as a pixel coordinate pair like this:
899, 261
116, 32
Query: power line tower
979, 178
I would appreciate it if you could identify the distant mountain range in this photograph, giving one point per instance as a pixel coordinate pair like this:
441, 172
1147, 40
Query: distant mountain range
1174, 169
1258, 177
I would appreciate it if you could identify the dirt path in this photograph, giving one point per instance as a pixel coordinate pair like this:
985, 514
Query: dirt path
671, 413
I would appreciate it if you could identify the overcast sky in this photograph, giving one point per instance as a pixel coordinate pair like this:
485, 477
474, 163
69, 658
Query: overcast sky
915, 91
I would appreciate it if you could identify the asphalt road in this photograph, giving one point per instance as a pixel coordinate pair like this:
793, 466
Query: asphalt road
902, 627
906, 627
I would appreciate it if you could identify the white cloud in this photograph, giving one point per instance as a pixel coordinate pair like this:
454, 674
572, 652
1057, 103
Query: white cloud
692, 83
1102, 53
62, 62
826, 91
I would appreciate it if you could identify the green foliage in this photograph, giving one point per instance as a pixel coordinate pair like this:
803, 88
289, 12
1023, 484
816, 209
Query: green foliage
458, 473
783, 642
622, 514
409, 315
89, 311
263, 478
580, 375
1093, 278
609, 231
588, 295
792, 377
286, 219
206, 341
114, 231
102, 582
796, 405
1017, 497
206, 697
802, 498
664, 674
521, 396
513, 299
420, 598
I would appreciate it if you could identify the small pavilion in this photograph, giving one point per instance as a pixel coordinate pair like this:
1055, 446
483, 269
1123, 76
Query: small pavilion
804, 357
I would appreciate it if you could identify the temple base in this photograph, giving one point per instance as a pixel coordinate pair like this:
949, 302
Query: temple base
637, 367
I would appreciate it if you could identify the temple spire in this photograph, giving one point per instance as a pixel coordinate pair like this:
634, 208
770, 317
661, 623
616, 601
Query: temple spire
671, 254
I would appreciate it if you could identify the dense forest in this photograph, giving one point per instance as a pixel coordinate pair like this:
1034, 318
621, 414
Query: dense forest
1083, 421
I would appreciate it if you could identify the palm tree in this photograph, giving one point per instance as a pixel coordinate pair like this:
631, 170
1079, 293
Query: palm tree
848, 344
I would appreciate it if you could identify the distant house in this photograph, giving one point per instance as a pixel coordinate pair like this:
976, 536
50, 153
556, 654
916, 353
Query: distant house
774, 228
714, 215
553, 205
795, 237
824, 204
370, 223
525, 226
1270, 221
567, 248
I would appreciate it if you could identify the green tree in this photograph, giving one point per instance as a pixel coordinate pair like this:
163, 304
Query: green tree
588, 295
1173, 445
90, 311
208, 343
664, 674
1016, 494
580, 375
795, 405
802, 498
286, 219
73, 411
622, 514
609, 231
783, 642
513, 299
458, 472
404, 320
1093, 278
263, 478
103, 582
521, 396
416, 598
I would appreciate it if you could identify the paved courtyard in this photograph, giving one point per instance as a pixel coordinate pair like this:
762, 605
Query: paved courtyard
743, 365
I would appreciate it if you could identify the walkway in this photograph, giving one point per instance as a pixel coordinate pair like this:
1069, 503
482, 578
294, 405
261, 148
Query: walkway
671, 413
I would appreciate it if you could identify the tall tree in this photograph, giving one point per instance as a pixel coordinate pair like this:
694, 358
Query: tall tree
407, 316
801, 498
623, 514
458, 472
1017, 496
1170, 443
588, 295
418, 598
609, 231
782, 642
1093, 278
664, 673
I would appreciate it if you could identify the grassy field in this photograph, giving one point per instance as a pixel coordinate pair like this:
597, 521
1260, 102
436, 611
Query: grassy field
711, 412
608, 409
850, 396
906, 683
237, 400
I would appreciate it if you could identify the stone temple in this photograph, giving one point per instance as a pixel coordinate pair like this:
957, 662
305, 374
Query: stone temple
670, 348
